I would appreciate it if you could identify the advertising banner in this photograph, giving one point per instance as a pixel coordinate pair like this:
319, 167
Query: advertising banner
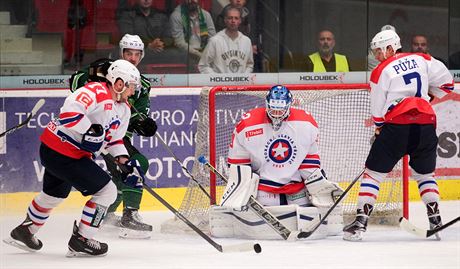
20, 167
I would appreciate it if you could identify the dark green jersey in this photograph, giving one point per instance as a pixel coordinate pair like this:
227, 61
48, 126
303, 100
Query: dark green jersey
140, 101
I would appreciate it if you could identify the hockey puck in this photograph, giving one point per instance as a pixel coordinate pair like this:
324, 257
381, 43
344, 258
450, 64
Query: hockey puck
257, 248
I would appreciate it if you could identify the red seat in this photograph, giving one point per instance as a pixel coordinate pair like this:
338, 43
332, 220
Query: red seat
105, 17
166, 68
51, 15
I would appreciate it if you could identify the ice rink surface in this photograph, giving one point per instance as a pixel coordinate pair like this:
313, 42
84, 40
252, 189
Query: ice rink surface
382, 247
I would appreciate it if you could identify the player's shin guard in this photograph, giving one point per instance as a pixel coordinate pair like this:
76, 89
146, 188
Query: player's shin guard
429, 192
354, 230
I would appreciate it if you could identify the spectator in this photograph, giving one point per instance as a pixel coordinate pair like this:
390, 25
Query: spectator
246, 26
325, 60
420, 44
152, 26
229, 51
371, 61
454, 61
191, 28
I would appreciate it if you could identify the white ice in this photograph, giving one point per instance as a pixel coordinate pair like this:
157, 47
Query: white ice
382, 247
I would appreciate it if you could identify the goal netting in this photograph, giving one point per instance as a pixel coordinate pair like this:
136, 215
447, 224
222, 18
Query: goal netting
342, 112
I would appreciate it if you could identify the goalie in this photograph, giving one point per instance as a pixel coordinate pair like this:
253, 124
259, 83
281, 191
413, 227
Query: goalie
274, 157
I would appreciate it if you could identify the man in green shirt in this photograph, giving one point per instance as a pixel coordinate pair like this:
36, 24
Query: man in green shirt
131, 224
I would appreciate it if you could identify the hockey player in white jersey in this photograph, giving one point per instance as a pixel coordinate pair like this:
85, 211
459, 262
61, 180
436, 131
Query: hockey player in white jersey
278, 145
229, 51
92, 119
402, 86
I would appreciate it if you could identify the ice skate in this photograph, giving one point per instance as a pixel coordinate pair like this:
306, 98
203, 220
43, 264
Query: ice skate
132, 225
80, 246
22, 238
354, 231
434, 217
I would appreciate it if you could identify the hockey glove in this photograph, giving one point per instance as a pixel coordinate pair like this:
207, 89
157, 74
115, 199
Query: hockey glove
132, 174
146, 127
93, 139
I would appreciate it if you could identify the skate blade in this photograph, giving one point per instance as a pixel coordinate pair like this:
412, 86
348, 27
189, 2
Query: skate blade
134, 234
356, 237
18, 244
72, 254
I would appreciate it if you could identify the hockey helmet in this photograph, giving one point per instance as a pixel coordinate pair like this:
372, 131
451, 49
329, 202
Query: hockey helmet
278, 103
126, 71
131, 42
384, 39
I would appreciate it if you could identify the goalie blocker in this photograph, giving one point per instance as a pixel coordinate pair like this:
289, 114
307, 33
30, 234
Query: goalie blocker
233, 219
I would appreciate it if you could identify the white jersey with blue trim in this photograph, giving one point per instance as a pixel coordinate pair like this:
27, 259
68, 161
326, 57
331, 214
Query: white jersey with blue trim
91, 104
281, 158
409, 78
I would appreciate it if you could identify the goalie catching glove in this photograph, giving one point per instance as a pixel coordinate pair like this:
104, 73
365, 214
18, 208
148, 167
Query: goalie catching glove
132, 174
146, 127
322, 191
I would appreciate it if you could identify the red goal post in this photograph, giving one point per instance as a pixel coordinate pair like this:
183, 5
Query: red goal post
342, 112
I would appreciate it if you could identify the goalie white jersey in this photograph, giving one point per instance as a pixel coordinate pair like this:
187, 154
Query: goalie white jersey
282, 158
401, 87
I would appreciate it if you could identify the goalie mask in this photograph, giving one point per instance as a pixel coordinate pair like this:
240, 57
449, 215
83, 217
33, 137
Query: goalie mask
127, 72
278, 103
384, 39
131, 42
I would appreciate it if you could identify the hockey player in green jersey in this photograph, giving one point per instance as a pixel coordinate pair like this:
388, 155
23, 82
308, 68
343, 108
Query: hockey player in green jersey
131, 224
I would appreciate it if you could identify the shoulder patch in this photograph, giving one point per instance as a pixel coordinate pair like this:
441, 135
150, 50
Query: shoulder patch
251, 118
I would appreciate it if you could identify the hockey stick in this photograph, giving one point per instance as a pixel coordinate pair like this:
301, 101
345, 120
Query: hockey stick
411, 228
173, 155
255, 206
34, 111
233, 248
182, 165
307, 234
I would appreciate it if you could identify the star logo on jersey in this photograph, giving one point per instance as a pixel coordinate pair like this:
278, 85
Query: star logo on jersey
280, 150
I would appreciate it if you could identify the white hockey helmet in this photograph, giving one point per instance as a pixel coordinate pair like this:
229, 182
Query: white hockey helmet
126, 71
131, 42
384, 39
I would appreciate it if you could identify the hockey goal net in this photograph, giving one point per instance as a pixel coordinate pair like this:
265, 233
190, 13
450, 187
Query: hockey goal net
342, 112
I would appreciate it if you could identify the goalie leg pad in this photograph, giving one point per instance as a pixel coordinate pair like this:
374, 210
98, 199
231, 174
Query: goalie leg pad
334, 220
242, 184
307, 218
232, 223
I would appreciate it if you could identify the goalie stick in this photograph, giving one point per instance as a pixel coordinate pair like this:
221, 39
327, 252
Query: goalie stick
306, 234
255, 206
407, 226
232, 248
34, 111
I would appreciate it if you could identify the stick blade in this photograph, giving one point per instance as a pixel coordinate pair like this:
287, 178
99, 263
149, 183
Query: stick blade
411, 228
243, 247
37, 106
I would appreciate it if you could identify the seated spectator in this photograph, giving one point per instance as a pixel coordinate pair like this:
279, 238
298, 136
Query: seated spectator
420, 45
152, 26
191, 28
229, 51
371, 61
325, 60
454, 61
